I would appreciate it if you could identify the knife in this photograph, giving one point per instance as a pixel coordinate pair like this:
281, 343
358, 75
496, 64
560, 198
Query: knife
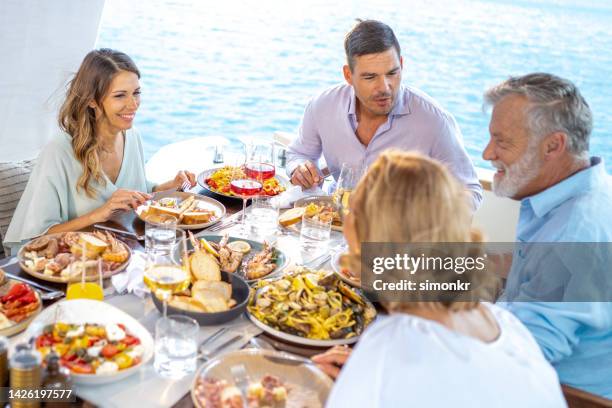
31, 283
120, 232
210, 354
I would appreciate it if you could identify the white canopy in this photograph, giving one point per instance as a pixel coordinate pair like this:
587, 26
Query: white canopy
42, 44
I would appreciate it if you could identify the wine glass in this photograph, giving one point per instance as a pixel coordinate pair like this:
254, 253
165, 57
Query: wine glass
243, 186
260, 164
349, 177
164, 274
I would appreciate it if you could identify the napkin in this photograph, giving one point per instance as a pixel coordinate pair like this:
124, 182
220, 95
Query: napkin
132, 279
294, 193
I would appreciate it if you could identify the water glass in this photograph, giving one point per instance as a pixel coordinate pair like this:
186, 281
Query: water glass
315, 233
263, 217
160, 236
176, 348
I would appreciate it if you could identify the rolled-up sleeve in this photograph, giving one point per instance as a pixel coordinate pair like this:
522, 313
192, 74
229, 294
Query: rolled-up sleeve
307, 146
449, 150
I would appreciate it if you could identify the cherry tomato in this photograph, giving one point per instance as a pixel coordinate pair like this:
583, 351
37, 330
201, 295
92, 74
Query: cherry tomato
82, 369
131, 340
109, 351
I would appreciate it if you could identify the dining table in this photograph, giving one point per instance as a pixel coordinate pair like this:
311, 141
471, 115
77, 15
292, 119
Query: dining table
146, 387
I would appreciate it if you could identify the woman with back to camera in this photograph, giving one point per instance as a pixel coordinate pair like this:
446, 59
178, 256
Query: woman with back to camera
95, 168
452, 351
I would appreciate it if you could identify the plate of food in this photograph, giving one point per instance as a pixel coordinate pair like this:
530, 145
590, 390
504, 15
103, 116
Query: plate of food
311, 308
250, 260
97, 342
218, 181
193, 211
274, 378
59, 257
317, 207
339, 263
19, 304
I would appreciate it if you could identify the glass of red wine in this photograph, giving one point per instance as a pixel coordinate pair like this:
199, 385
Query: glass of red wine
260, 161
244, 187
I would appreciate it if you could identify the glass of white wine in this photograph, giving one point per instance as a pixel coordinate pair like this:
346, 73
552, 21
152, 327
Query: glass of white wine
349, 177
164, 274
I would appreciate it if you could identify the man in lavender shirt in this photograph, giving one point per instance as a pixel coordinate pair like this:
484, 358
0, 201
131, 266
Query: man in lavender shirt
354, 122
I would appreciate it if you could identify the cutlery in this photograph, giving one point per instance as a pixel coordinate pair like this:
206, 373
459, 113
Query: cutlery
56, 294
241, 379
288, 359
212, 337
32, 283
186, 186
120, 232
219, 227
208, 355
262, 344
10, 262
317, 262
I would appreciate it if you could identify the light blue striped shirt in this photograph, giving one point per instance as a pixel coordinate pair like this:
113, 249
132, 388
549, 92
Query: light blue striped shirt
416, 123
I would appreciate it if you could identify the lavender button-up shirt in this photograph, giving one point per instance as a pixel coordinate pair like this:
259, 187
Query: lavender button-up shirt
416, 123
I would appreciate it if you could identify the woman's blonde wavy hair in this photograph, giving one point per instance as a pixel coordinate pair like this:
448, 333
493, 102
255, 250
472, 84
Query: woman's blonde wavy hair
78, 119
408, 198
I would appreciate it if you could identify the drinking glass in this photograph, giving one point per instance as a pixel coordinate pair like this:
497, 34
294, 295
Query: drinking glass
160, 236
349, 177
263, 217
176, 346
315, 232
87, 290
164, 274
243, 187
260, 160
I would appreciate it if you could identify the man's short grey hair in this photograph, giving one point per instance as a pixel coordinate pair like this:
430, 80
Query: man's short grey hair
556, 105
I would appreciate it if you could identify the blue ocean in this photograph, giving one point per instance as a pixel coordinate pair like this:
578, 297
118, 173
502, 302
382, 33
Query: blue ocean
247, 68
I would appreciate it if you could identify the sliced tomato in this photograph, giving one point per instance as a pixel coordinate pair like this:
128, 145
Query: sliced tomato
44, 340
131, 340
109, 351
82, 369
93, 340
226, 189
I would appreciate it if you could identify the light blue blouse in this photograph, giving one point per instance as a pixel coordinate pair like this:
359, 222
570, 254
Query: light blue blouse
51, 195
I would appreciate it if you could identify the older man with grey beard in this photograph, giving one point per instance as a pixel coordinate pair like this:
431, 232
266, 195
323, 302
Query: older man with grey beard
540, 128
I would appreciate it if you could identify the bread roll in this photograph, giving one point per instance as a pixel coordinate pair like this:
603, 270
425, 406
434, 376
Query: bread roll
223, 288
291, 216
204, 266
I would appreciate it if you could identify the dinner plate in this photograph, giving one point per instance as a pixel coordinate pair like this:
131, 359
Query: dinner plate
82, 311
308, 385
335, 264
22, 325
205, 203
292, 338
303, 202
281, 261
77, 278
282, 179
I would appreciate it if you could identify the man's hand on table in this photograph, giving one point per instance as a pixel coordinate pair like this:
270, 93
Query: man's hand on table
306, 175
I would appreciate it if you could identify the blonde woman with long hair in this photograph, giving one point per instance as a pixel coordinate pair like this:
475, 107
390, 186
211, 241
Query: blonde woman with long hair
95, 168
452, 351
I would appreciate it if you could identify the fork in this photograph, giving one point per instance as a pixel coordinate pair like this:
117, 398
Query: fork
186, 186
241, 379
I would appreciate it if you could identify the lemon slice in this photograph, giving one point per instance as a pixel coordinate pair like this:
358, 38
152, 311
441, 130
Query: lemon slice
208, 248
239, 246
